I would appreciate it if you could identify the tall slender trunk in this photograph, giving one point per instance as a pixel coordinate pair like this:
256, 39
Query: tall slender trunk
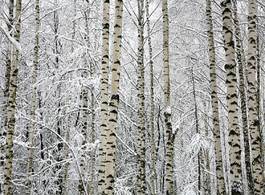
104, 99
197, 128
84, 116
6, 92
84, 113
32, 129
167, 113
141, 183
91, 185
260, 95
59, 126
232, 99
42, 136
242, 90
11, 108
206, 156
215, 103
152, 109
114, 101
254, 124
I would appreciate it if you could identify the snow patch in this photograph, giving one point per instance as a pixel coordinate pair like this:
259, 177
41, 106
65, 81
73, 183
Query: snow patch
175, 128
168, 110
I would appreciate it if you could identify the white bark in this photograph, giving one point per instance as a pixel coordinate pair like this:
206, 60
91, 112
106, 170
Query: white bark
215, 103
253, 115
232, 99
114, 101
104, 93
11, 108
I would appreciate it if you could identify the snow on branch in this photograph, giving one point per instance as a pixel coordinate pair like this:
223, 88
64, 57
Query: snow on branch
11, 39
197, 143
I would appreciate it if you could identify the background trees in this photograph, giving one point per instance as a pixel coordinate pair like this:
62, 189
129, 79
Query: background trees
74, 74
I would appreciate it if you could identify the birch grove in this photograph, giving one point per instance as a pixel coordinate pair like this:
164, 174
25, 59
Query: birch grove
117, 97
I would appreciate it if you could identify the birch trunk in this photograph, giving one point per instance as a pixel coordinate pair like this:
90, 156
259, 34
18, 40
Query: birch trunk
91, 185
206, 156
84, 164
232, 99
260, 95
152, 111
84, 127
11, 108
254, 124
59, 125
32, 129
6, 92
196, 115
242, 90
169, 175
141, 183
215, 103
114, 101
104, 93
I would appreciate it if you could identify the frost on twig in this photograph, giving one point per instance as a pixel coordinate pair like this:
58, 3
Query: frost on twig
90, 146
11, 39
197, 143
121, 187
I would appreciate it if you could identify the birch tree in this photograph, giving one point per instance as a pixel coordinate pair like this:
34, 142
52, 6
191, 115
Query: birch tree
6, 90
196, 116
11, 108
242, 90
84, 131
215, 102
232, 99
253, 117
152, 109
104, 93
59, 123
169, 177
34, 103
114, 101
207, 160
84, 113
141, 183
